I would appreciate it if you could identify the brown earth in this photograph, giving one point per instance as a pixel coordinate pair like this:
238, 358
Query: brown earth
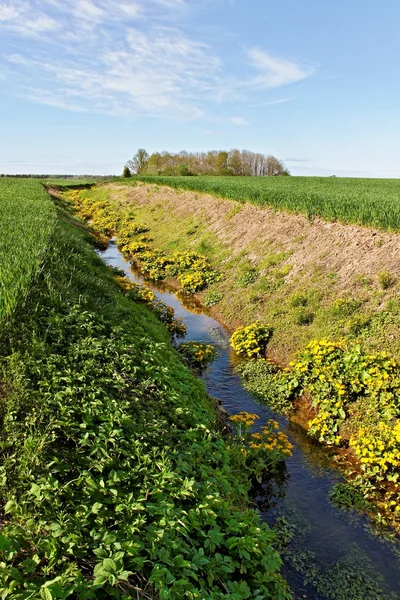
326, 262
344, 249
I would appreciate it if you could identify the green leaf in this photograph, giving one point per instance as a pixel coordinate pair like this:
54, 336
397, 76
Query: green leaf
46, 594
109, 565
4, 543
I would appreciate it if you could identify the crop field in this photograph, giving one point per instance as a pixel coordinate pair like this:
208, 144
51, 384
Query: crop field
68, 183
371, 202
27, 218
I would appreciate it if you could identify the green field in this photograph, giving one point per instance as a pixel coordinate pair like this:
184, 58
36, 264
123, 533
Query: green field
371, 202
68, 183
27, 218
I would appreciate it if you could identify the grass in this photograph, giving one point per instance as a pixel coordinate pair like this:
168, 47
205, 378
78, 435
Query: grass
372, 202
27, 218
69, 183
114, 477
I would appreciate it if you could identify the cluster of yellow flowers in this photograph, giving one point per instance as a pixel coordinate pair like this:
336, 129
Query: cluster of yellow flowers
134, 247
251, 340
192, 282
136, 292
101, 217
337, 375
271, 439
379, 451
262, 448
196, 354
244, 418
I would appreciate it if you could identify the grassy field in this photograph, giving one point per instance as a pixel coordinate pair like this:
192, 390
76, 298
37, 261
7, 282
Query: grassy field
373, 202
27, 218
68, 183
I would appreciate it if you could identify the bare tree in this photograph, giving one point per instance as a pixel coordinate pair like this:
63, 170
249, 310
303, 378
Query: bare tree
139, 162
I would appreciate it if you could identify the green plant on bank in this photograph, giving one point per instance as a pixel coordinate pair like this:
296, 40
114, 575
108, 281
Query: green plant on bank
386, 280
268, 384
303, 316
211, 298
247, 277
115, 480
193, 271
251, 340
197, 355
345, 496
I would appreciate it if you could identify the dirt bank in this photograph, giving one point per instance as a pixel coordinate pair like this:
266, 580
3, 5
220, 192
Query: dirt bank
307, 279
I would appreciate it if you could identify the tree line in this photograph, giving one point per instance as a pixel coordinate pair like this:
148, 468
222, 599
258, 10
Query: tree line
215, 162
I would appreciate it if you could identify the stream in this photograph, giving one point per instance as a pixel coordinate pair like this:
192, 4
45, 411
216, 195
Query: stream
334, 554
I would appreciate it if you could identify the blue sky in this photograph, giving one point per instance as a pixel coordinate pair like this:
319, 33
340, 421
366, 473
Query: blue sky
84, 83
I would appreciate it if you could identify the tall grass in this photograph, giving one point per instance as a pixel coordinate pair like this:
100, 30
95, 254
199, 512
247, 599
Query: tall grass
27, 218
371, 202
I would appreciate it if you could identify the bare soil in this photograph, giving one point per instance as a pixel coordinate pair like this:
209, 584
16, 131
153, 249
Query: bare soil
346, 250
325, 262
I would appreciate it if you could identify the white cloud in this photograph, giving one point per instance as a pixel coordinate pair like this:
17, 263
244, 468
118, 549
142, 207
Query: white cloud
8, 12
275, 71
125, 58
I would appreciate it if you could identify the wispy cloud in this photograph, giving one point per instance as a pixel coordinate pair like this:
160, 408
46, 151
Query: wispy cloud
127, 58
273, 102
275, 71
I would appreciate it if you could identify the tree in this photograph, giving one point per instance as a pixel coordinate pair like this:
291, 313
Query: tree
139, 162
222, 162
126, 172
235, 163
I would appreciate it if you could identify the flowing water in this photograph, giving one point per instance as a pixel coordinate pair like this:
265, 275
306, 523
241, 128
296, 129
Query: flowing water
334, 554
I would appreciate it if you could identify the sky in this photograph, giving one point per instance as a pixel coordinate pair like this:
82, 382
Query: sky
85, 83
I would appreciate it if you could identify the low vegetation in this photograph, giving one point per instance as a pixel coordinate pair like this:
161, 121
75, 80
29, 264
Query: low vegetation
115, 477
355, 399
191, 270
350, 386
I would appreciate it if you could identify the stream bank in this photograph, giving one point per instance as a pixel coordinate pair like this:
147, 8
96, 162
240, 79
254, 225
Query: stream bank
330, 554
350, 394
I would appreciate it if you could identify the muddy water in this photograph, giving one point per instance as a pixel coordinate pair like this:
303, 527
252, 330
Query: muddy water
334, 555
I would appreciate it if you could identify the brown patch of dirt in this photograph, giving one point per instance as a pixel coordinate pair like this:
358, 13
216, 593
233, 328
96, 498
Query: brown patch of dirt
346, 250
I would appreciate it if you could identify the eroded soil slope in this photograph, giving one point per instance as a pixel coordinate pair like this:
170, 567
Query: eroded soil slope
307, 279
